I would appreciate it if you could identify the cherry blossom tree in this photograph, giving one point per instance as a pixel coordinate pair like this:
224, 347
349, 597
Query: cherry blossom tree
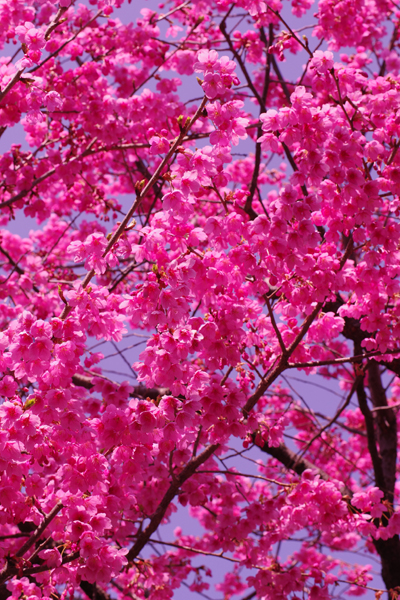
214, 180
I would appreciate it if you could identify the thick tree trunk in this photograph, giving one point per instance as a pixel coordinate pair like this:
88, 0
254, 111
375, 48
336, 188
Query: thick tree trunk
381, 426
389, 552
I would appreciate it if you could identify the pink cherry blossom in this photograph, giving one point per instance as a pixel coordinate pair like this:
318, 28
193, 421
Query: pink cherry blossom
322, 61
213, 85
206, 60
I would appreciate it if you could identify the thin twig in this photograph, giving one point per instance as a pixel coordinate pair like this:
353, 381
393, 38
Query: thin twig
189, 549
235, 53
36, 182
290, 30
11, 83
274, 325
334, 418
275, 481
280, 364
172, 11
71, 39
140, 195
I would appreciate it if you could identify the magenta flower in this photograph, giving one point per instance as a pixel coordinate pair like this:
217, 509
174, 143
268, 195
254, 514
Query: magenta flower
213, 85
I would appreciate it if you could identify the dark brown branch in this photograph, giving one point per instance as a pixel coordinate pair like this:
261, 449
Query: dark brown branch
299, 464
334, 418
139, 391
173, 489
250, 596
391, 46
386, 430
352, 331
9, 569
282, 362
293, 165
257, 159
88, 152
4, 592
36, 182
12, 262
123, 276
71, 39
345, 359
369, 424
274, 325
388, 550
281, 79
42, 568
292, 33
11, 84
37, 534
393, 365
141, 194
93, 591
241, 65
158, 187
55, 22
16, 267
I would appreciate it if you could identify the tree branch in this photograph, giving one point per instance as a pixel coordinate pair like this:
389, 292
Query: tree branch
9, 569
173, 489
257, 159
139, 391
274, 325
334, 418
140, 195
282, 362
386, 429
369, 424
299, 464
36, 182
241, 65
